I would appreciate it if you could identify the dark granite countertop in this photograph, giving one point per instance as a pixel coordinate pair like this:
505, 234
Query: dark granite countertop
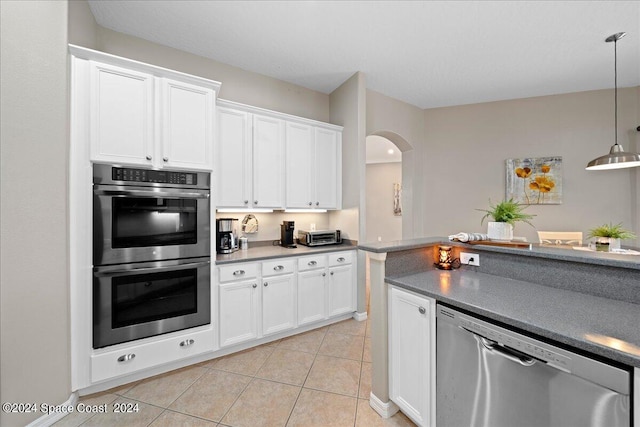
539, 251
601, 326
264, 252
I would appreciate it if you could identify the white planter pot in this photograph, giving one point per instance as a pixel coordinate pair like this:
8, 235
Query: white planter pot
500, 231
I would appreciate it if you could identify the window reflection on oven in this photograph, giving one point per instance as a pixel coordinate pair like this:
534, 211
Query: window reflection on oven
139, 222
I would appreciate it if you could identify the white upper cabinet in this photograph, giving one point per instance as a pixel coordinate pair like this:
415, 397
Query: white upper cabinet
313, 167
299, 167
138, 114
328, 169
121, 114
249, 160
187, 124
266, 159
268, 162
234, 166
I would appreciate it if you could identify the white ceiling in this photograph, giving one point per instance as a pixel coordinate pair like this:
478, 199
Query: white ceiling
426, 53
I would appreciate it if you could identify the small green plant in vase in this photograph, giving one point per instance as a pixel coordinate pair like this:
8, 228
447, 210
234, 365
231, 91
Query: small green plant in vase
608, 236
505, 215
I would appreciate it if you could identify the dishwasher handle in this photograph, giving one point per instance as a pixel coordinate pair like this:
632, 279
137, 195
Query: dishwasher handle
513, 355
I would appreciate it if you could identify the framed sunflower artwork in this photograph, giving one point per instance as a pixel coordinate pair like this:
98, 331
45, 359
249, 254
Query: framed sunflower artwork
535, 180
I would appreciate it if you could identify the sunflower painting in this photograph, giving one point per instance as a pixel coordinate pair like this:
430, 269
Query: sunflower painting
535, 181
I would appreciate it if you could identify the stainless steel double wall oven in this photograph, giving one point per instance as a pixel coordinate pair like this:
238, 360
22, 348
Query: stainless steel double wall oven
151, 252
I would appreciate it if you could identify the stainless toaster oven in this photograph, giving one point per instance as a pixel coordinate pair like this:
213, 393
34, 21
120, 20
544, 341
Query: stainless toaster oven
319, 238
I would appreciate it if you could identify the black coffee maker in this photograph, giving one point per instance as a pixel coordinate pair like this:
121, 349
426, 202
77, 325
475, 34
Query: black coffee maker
286, 234
226, 241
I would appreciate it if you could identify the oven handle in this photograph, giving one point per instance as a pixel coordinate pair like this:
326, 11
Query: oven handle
144, 270
145, 193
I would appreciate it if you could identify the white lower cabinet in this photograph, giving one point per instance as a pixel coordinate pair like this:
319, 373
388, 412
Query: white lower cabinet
129, 359
239, 312
342, 291
312, 291
412, 355
278, 296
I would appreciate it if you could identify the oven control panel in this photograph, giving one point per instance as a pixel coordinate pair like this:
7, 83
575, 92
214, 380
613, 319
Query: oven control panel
155, 176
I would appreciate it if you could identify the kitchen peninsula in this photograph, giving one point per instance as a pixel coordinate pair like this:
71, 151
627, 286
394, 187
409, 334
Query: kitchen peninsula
585, 301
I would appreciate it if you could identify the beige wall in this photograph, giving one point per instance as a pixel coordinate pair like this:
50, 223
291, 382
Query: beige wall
396, 119
34, 292
347, 109
382, 224
466, 148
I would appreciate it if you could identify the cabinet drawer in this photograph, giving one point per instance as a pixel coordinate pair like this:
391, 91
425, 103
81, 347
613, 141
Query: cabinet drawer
270, 268
238, 272
312, 262
340, 258
137, 357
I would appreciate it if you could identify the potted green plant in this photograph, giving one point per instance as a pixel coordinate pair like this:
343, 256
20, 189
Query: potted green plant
504, 214
608, 236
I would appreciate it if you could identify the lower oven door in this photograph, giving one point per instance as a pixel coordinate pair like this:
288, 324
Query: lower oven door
134, 301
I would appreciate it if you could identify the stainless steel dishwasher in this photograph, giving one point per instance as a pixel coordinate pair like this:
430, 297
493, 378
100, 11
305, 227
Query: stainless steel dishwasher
490, 376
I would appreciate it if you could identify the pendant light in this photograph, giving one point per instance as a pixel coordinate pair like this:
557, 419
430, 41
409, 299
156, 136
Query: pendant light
617, 157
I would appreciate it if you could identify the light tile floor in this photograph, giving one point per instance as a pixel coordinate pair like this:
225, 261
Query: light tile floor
317, 378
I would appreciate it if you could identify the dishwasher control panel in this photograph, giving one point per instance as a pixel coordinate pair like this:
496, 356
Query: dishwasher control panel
515, 341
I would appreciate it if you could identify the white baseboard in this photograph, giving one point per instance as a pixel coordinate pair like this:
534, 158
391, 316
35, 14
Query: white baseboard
385, 410
360, 316
50, 419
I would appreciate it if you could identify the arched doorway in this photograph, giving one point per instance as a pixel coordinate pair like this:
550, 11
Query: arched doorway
380, 221
383, 190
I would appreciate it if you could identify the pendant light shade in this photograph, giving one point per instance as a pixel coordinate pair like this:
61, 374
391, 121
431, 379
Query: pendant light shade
617, 157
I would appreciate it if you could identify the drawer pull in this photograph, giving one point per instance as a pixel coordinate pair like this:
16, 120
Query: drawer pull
312, 263
278, 267
126, 357
422, 310
187, 343
238, 272
341, 259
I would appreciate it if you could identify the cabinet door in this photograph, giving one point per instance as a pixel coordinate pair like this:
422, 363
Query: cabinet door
239, 305
233, 159
412, 355
300, 165
326, 169
268, 162
341, 290
311, 296
187, 125
121, 115
278, 304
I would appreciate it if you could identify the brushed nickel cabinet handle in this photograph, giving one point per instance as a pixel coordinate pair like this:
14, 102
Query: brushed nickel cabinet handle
165, 159
187, 343
266, 284
332, 273
317, 203
422, 310
324, 274
246, 202
341, 259
149, 157
310, 203
278, 268
255, 285
238, 272
126, 357
255, 202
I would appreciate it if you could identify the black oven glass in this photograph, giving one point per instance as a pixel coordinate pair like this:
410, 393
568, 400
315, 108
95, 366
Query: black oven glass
151, 221
148, 297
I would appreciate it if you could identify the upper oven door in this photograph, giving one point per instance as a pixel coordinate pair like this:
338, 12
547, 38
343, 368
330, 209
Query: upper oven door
135, 224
